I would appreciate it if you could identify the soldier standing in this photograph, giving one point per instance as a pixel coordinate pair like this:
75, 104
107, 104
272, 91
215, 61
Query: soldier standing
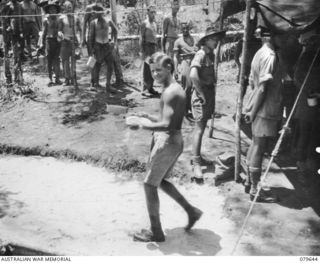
30, 23
66, 33
203, 95
13, 36
264, 109
148, 45
170, 29
50, 41
100, 47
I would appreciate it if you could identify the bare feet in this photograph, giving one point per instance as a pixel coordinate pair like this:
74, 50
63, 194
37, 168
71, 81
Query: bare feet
194, 215
149, 236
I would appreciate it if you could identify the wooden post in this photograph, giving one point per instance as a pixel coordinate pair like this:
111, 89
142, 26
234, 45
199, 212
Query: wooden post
216, 64
242, 88
113, 7
5, 51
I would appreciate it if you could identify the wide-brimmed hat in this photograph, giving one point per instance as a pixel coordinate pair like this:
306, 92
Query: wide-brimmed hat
152, 8
212, 32
51, 3
97, 8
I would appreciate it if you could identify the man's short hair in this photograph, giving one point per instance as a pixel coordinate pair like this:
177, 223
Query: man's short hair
163, 59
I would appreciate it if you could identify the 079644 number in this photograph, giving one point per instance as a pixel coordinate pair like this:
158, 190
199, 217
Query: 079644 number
308, 259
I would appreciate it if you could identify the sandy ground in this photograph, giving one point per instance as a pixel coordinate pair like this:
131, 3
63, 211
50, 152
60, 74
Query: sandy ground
78, 209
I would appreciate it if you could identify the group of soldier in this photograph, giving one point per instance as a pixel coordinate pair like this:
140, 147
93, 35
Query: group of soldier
191, 61
58, 39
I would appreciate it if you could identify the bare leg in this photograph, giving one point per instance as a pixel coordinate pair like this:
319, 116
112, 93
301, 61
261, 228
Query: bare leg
194, 213
153, 206
196, 150
256, 156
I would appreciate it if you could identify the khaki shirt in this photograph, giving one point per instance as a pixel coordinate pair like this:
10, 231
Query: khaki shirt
204, 62
265, 68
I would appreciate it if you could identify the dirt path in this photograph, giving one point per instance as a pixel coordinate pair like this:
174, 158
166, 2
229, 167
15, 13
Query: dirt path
74, 208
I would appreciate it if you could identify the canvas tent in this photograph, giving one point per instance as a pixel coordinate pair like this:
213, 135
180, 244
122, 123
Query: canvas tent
284, 16
280, 15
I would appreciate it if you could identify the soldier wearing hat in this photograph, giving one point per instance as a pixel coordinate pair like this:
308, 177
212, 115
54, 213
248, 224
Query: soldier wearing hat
264, 108
50, 41
170, 29
202, 75
100, 47
148, 45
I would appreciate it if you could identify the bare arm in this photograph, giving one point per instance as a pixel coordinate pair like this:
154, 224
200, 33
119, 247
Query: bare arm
78, 27
114, 31
60, 25
45, 31
85, 24
194, 76
260, 96
167, 115
142, 36
92, 36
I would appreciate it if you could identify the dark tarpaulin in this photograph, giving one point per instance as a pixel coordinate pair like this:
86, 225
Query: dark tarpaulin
280, 15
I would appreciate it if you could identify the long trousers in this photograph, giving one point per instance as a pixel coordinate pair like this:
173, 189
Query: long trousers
53, 48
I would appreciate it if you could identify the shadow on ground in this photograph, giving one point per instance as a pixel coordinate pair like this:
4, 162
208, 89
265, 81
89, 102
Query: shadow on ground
199, 242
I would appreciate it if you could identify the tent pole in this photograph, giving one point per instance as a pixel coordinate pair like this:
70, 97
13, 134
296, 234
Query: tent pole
216, 64
242, 88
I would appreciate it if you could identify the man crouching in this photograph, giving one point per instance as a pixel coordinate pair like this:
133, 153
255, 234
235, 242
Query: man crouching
167, 145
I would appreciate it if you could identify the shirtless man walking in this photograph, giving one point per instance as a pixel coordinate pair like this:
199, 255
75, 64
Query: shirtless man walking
100, 47
167, 145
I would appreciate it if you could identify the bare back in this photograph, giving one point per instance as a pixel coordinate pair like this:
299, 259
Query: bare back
172, 106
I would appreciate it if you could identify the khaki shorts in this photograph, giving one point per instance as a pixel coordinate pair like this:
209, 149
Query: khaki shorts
262, 127
166, 149
203, 112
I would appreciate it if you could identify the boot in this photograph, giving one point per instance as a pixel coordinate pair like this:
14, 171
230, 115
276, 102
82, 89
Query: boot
197, 172
255, 174
155, 235
194, 215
